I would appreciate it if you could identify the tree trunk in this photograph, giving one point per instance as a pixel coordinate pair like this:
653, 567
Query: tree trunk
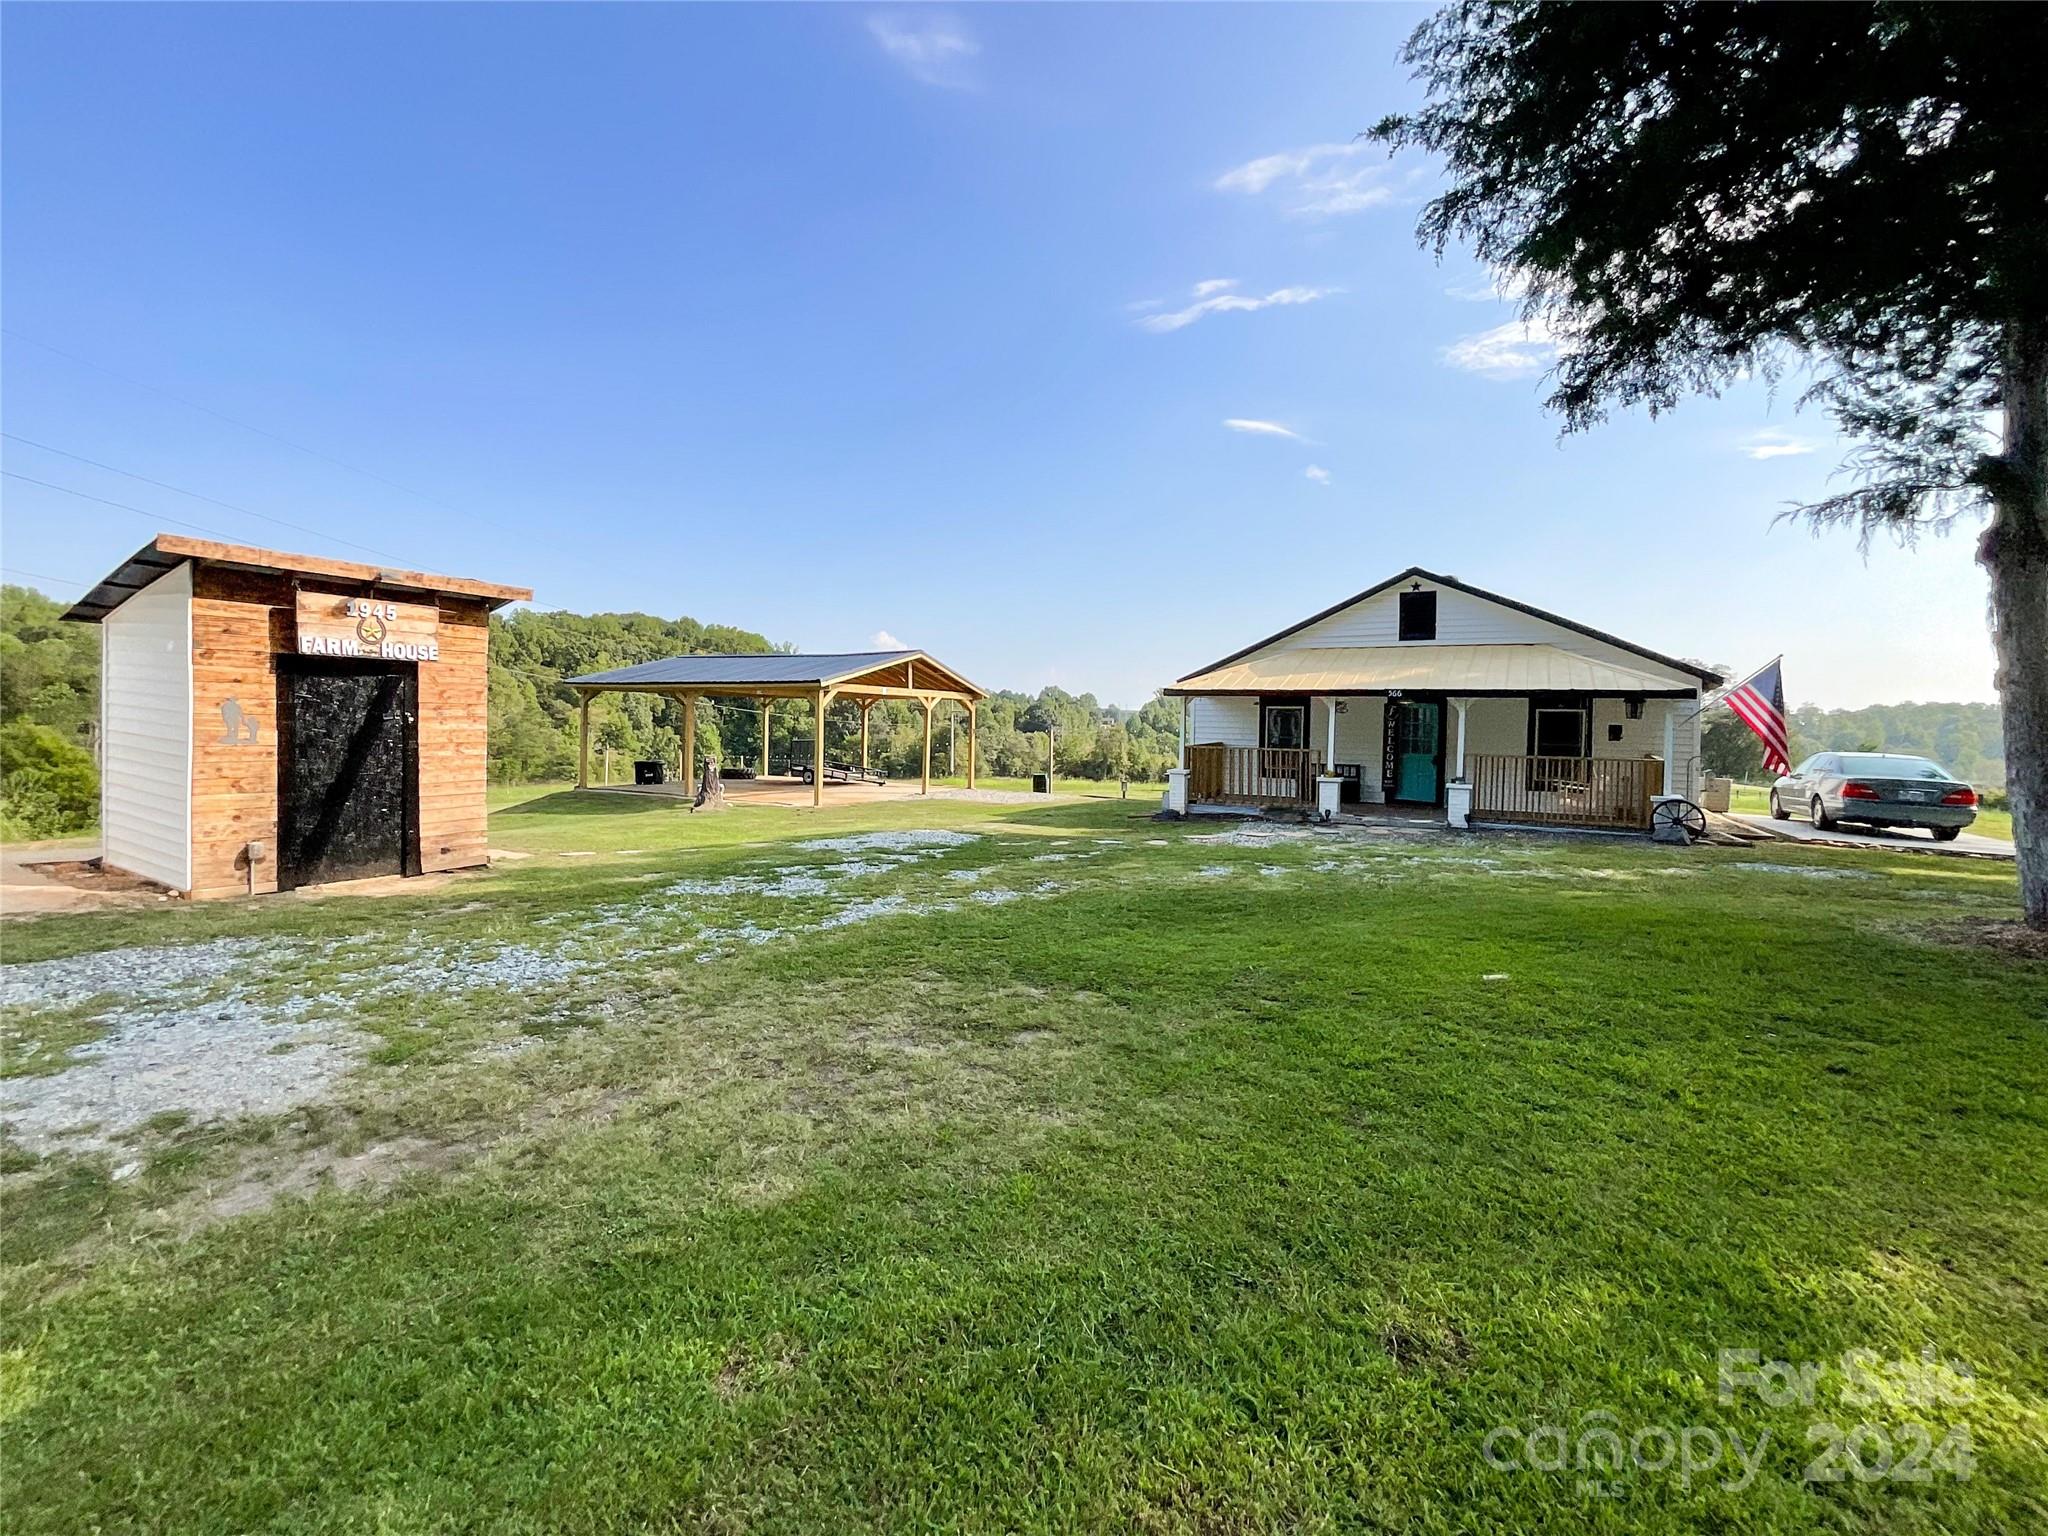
2014, 552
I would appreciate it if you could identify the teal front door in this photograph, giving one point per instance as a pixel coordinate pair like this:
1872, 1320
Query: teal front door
1418, 737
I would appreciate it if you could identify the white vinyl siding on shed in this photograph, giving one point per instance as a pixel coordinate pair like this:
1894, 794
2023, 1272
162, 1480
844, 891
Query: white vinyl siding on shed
146, 745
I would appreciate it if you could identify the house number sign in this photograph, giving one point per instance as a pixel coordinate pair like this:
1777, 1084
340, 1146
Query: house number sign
368, 628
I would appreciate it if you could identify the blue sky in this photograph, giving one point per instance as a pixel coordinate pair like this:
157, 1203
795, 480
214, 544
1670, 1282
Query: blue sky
1076, 345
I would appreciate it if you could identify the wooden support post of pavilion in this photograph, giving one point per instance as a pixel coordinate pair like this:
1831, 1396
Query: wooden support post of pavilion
925, 787
973, 713
767, 715
865, 706
583, 747
818, 750
689, 743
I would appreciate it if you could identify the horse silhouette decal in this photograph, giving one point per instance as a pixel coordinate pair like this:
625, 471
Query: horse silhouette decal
237, 724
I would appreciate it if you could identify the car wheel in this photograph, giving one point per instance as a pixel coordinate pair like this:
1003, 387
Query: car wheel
1946, 834
1778, 812
1818, 814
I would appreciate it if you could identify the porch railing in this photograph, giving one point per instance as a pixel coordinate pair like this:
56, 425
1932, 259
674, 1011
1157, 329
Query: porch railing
1569, 791
1220, 775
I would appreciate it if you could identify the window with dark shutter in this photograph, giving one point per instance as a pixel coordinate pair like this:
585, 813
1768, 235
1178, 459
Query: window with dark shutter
1418, 615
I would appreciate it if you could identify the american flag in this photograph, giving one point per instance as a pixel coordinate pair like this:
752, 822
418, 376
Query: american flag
1760, 704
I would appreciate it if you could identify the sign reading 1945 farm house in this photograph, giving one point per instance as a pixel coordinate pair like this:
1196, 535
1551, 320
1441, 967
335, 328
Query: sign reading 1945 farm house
372, 628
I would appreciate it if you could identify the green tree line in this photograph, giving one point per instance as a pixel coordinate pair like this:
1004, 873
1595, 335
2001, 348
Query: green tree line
534, 721
1966, 739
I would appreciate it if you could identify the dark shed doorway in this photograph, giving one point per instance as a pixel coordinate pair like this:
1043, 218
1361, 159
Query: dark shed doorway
348, 771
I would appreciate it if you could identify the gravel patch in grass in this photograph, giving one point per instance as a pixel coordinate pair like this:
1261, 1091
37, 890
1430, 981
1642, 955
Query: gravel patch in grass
165, 968
918, 838
1253, 834
213, 1060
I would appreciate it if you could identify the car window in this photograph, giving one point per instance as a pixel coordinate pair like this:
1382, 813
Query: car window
1876, 767
1811, 765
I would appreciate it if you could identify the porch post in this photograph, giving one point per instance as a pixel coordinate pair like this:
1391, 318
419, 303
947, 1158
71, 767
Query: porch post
767, 715
583, 746
973, 712
1183, 730
1461, 705
818, 750
1671, 748
1329, 787
865, 706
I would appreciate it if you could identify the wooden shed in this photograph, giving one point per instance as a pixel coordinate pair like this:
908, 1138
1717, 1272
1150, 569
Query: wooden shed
272, 720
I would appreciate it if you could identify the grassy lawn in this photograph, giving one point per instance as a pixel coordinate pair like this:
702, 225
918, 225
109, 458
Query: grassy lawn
1755, 800
1006, 1167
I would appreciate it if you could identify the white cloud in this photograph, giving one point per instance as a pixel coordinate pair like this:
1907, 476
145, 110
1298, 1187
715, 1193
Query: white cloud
1261, 428
1512, 351
1315, 182
882, 640
1317, 473
1212, 297
1254, 176
1497, 287
1771, 443
934, 48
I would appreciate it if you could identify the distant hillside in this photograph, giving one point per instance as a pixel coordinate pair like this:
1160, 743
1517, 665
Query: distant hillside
1964, 738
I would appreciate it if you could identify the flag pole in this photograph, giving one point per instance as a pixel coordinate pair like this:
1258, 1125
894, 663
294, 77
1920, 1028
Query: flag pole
1727, 688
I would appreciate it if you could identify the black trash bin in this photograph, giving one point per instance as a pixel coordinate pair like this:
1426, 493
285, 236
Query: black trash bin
1041, 783
650, 771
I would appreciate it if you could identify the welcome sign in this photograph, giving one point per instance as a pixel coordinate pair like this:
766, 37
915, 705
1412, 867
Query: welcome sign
368, 628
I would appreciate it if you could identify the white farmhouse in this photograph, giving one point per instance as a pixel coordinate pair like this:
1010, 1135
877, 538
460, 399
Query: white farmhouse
1426, 693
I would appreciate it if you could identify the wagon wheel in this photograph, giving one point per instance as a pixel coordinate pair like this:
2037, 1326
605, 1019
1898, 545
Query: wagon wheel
1679, 813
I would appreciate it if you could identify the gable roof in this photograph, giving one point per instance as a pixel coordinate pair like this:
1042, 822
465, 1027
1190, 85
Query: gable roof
776, 669
168, 551
1707, 676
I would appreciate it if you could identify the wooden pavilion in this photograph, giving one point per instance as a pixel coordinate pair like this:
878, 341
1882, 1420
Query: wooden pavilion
866, 677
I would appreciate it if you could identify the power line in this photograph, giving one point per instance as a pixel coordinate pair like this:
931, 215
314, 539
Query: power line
165, 485
69, 581
233, 421
156, 517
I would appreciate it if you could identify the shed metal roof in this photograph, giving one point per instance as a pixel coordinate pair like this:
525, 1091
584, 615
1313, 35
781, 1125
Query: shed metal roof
168, 551
1459, 669
773, 670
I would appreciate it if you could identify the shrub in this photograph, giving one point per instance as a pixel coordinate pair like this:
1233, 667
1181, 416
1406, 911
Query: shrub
48, 786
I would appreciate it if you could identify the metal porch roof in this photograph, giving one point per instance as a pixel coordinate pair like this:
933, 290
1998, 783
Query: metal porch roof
1461, 669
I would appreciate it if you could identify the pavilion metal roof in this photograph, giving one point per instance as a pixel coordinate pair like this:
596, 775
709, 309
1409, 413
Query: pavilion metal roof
773, 670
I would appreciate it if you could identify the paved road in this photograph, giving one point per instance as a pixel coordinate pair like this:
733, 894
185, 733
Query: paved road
24, 890
1899, 842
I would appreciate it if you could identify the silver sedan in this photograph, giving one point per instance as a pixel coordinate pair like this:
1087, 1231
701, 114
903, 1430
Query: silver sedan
1879, 789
